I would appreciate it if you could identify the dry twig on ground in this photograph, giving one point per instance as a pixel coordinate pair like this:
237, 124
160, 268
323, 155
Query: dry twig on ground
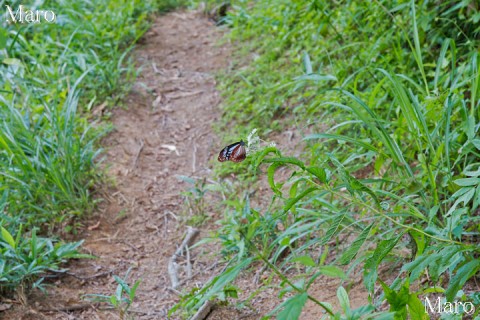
192, 233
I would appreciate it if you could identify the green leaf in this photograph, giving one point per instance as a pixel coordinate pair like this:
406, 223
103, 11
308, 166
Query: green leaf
123, 284
417, 266
467, 182
307, 63
333, 230
464, 273
133, 290
271, 178
420, 241
305, 260
353, 249
316, 77
476, 143
342, 296
319, 173
357, 142
292, 308
263, 154
219, 282
416, 308
371, 265
119, 292
287, 160
3, 38
114, 301
465, 198
470, 170
332, 271
354, 184
397, 300
8, 237
230, 292
285, 242
12, 62
291, 202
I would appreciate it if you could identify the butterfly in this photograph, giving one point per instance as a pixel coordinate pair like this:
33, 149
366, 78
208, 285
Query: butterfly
235, 152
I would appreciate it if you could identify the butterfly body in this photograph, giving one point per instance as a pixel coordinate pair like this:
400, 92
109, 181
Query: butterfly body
235, 152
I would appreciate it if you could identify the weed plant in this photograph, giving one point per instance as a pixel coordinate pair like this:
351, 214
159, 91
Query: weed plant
51, 76
387, 103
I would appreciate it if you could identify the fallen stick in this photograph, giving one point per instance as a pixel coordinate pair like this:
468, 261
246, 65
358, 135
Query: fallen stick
75, 307
142, 144
192, 233
203, 312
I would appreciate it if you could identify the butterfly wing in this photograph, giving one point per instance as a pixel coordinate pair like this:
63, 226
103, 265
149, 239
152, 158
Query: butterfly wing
223, 155
235, 152
239, 153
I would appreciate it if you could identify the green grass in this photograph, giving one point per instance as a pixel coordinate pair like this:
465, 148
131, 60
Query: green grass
51, 76
385, 95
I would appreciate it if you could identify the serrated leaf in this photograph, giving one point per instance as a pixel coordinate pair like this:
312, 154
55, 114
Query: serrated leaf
292, 308
417, 266
353, 249
464, 273
355, 185
333, 230
416, 308
305, 260
8, 237
397, 299
371, 265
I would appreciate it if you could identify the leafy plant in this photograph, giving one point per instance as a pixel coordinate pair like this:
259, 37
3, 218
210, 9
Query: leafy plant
24, 258
122, 299
52, 75
196, 198
388, 108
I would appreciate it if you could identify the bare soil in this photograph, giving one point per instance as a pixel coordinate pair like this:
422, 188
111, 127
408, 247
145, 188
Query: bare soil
165, 131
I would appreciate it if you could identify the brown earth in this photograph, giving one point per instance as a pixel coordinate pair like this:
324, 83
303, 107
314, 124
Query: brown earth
165, 131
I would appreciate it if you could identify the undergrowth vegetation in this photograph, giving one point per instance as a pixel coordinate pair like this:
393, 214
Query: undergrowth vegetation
386, 97
51, 76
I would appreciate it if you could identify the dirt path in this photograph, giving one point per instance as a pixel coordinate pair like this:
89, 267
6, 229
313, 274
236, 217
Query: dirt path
164, 132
